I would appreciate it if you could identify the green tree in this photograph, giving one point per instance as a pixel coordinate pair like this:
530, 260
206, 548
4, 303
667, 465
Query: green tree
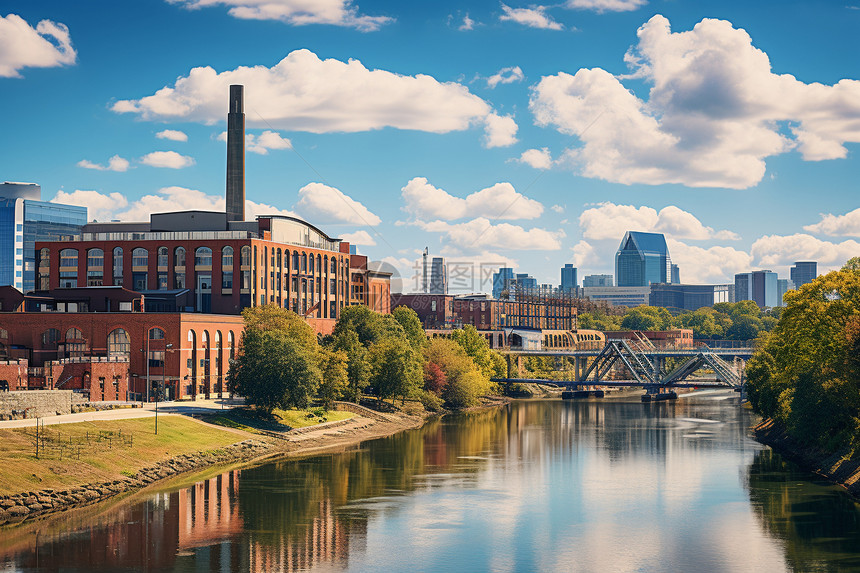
357, 365
478, 349
396, 368
744, 327
271, 317
274, 370
369, 325
647, 318
703, 323
335, 379
408, 319
853, 264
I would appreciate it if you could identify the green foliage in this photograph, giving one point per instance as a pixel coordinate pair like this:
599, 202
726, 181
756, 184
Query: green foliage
476, 347
271, 317
396, 368
465, 382
853, 264
408, 319
704, 322
370, 326
806, 373
598, 321
335, 377
274, 370
647, 318
430, 401
357, 365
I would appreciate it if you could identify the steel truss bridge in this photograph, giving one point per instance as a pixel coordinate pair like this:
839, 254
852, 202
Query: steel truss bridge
645, 365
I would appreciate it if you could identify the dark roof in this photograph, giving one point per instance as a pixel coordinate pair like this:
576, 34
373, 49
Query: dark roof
644, 242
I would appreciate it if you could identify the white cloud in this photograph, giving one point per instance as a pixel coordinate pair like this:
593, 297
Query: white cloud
167, 159
261, 144
533, 17
304, 93
584, 255
714, 265
107, 207
115, 163
501, 131
714, 113
606, 5
296, 12
557, 209
48, 45
360, 237
500, 201
318, 202
610, 221
172, 134
837, 225
468, 24
505, 76
474, 235
537, 158
782, 250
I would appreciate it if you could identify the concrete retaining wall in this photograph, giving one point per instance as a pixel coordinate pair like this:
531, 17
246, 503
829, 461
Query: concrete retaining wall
36, 403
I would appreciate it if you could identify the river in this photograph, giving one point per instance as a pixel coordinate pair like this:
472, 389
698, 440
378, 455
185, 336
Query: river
608, 485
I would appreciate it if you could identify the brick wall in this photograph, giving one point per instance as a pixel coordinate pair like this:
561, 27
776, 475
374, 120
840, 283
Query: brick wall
36, 402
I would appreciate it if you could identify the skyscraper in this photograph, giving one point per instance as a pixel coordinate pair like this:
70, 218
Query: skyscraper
676, 275
501, 280
782, 287
597, 281
438, 276
762, 287
642, 259
568, 278
25, 219
803, 272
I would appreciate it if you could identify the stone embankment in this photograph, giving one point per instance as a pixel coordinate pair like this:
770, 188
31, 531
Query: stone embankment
837, 468
15, 508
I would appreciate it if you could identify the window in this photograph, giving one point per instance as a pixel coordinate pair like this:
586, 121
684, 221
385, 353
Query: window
333, 265
140, 257
311, 264
295, 262
95, 258
69, 258
203, 257
45, 258
68, 279
162, 256
118, 343
246, 280
50, 338
178, 280
279, 257
95, 278
75, 343
117, 263
227, 279
156, 334
179, 257
139, 281
227, 258
162, 281
156, 359
245, 256
332, 286
304, 262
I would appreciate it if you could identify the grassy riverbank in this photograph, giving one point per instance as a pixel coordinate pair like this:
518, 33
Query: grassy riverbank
838, 467
98, 451
279, 420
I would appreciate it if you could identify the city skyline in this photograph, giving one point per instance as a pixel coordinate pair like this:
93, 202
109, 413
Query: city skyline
499, 134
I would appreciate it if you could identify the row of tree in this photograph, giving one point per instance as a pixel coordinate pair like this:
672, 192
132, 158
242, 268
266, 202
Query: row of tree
806, 372
742, 320
282, 364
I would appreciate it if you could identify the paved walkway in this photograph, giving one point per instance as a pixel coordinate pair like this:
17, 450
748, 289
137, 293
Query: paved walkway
147, 411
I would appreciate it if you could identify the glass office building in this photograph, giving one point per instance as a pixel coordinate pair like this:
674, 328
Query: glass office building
24, 219
642, 259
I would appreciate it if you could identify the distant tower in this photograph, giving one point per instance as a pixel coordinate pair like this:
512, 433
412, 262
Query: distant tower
568, 278
425, 284
236, 155
438, 276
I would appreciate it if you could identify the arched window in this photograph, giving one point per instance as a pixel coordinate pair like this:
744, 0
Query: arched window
304, 262
311, 265
231, 343
69, 258
162, 256
203, 257
319, 264
74, 334
95, 258
156, 334
117, 262
75, 343
50, 338
280, 261
333, 265
227, 258
295, 261
179, 257
118, 343
245, 255
140, 257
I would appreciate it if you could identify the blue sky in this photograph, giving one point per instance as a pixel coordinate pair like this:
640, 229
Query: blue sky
489, 132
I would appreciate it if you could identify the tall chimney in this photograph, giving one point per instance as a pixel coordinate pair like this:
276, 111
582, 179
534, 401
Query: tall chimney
236, 155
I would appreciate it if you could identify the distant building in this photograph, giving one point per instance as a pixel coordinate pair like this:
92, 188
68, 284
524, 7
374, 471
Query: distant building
676, 275
25, 219
438, 276
642, 259
758, 286
568, 278
501, 279
803, 272
689, 297
597, 281
782, 287
618, 296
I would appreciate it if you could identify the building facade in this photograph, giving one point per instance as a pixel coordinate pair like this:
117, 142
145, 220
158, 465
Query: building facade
618, 296
689, 297
803, 272
758, 286
642, 259
569, 282
24, 220
438, 276
597, 281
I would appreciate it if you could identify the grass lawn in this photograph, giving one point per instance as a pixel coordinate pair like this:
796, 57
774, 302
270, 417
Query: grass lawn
280, 420
100, 460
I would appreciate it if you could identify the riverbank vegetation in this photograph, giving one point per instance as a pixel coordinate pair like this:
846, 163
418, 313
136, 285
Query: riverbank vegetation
805, 374
281, 364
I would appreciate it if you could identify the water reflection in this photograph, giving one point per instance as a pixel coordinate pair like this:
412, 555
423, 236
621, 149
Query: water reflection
588, 486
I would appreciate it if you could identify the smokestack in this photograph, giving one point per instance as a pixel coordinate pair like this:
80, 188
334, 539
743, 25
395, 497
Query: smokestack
236, 155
